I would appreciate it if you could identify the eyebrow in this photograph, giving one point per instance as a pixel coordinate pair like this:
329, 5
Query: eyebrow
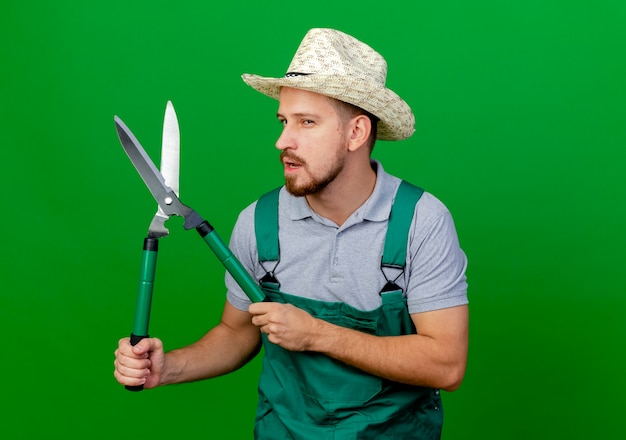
299, 115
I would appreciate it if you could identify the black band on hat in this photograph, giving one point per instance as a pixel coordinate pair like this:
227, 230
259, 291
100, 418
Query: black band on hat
292, 74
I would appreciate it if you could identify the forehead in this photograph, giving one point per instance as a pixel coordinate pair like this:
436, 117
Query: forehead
302, 101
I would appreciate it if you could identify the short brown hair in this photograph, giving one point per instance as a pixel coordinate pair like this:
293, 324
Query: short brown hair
347, 111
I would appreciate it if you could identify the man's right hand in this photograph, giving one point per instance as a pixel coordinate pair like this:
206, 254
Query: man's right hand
142, 364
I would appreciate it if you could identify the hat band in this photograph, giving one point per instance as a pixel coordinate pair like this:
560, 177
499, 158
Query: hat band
292, 74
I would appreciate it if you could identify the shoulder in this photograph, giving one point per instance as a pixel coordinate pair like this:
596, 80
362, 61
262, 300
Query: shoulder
246, 216
245, 224
432, 221
429, 207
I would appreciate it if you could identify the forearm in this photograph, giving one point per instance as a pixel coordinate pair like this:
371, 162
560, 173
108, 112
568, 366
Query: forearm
227, 347
420, 359
411, 359
221, 351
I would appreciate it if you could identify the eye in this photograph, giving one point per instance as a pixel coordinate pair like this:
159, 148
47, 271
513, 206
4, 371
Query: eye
308, 122
282, 122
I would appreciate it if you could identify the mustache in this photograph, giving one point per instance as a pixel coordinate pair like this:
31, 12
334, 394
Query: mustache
284, 155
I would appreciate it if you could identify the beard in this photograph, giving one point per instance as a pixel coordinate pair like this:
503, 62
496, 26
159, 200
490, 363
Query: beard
315, 184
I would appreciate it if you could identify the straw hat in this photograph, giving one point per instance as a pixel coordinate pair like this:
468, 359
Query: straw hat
335, 64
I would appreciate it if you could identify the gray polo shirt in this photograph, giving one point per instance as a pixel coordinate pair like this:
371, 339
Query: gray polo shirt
323, 261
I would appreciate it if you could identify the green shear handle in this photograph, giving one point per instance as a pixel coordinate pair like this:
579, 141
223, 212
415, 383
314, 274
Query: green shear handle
230, 262
144, 295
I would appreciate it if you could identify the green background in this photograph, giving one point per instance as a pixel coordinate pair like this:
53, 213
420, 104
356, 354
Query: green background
520, 131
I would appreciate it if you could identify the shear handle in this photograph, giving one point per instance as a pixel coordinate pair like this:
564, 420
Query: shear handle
230, 261
144, 295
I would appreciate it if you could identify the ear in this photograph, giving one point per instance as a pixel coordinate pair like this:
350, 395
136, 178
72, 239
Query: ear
360, 129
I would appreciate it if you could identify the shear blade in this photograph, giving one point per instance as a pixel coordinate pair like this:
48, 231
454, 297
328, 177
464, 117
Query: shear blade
170, 165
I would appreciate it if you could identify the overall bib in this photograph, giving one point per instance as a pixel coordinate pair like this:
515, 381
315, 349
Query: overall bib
307, 395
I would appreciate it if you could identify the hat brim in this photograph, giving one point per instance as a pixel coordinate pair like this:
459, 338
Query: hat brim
396, 120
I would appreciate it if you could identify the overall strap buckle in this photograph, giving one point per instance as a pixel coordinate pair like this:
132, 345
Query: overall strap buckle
270, 277
390, 285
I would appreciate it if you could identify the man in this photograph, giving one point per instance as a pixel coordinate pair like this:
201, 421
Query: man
366, 319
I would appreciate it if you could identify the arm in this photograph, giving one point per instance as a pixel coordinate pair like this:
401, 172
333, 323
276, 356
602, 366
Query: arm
435, 357
225, 348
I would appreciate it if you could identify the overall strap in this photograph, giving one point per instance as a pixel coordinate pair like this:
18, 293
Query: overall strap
400, 218
266, 231
266, 226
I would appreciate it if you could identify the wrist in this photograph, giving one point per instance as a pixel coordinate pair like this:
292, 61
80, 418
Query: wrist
323, 336
169, 372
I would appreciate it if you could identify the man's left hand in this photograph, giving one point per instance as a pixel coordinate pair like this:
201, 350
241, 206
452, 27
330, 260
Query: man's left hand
285, 325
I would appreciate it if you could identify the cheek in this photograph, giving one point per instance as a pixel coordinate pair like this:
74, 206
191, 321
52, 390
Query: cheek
322, 152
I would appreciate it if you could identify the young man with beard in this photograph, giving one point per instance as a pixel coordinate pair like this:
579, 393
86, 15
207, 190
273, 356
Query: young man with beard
367, 317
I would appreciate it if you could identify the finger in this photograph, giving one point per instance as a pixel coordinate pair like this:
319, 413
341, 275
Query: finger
125, 362
129, 376
125, 350
268, 329
146, 345
259, 320
129, 380
260, 308
130, 357
123, 345
132, 367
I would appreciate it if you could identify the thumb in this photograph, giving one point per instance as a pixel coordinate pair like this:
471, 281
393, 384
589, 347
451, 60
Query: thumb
147, 345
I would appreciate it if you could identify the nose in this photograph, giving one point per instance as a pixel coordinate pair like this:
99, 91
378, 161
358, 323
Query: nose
285, 140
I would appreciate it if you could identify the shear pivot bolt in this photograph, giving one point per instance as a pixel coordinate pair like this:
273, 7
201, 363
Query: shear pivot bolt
168, 200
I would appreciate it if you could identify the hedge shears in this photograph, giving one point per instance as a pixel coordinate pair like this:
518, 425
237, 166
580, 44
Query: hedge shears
163, 186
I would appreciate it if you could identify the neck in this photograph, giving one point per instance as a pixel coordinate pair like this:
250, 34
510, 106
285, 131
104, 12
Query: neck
344, 195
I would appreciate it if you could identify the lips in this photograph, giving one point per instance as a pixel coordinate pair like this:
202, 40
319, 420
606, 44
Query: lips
290, 162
